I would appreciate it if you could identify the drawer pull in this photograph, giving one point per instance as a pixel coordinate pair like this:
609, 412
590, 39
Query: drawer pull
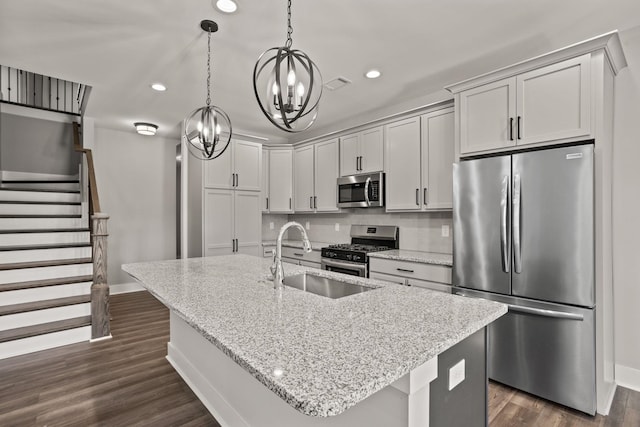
405, 270
298, 254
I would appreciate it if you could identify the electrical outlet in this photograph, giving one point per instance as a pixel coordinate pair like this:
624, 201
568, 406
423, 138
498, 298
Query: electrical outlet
307, 225
271, 226
456, 374
337, 227
445, 231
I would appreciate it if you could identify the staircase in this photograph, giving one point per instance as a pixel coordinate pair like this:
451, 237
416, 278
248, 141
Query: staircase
46, 268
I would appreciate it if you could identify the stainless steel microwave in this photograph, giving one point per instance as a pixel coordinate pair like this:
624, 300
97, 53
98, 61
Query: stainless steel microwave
361, 191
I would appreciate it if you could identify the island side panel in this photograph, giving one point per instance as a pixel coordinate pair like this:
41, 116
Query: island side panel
236, 398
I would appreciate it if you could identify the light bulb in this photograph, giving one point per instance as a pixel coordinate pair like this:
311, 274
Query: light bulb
291, 78
274, 88
218, 129
199, 126
300, 89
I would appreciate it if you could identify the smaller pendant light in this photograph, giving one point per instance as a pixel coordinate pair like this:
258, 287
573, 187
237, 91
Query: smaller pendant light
208, 129
287, 85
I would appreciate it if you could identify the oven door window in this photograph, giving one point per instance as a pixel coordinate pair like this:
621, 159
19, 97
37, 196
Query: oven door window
351, 272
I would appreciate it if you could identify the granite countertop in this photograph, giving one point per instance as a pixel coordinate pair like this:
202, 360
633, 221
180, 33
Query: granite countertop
320, 355
316, 246
415, 256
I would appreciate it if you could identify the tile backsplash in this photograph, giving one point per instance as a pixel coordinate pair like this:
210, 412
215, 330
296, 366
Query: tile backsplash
418, 231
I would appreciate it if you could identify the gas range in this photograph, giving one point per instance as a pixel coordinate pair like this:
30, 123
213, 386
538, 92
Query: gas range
351, 258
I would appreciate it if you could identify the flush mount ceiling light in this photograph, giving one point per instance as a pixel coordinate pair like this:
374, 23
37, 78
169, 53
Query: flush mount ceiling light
287, 85
206, 127
146, 128
159, 87
373, 74
226, 6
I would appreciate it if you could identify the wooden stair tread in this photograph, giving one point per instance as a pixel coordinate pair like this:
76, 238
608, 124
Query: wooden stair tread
37, 202
44, 304
44, 328
45, 230
40, 190
52, 263
51, 246
46, 282
22, 216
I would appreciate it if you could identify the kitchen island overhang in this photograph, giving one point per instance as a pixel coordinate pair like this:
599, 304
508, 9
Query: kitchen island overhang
321, 356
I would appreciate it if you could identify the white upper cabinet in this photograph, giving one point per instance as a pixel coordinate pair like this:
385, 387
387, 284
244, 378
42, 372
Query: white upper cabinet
362, 152
239, 167
315, 177
438, 146
420, 154
264, 183
403, 165
326, 176
554, 102
546, 104
303, 179
281, 180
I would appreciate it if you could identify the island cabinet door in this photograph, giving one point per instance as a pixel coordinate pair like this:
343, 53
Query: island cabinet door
218, 222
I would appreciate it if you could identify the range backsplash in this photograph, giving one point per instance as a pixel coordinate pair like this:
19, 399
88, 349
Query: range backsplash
418, 231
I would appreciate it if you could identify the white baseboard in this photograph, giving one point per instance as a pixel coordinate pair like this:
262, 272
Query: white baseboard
628, 377
125, 288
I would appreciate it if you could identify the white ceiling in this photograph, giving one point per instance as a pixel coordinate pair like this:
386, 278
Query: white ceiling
120, 47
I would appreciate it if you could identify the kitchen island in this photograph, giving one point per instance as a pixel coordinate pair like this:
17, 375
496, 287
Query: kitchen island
257, 356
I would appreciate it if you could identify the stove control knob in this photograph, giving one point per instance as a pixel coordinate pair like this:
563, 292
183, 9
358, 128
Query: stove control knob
349, 256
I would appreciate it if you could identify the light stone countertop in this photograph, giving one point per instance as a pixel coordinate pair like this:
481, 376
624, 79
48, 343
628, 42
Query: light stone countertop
333, 352
316, 246
415, 256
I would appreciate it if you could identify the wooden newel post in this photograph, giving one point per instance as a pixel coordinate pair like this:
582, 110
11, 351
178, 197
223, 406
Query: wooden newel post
100, 327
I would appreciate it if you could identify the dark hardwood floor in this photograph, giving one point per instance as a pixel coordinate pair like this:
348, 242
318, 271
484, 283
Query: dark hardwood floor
126, 381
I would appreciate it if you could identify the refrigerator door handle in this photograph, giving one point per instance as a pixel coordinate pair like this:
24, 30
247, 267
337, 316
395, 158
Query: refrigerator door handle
545, 313
504, 202
517, 250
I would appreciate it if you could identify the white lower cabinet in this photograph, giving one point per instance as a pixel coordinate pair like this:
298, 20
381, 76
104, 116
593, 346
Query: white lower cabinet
429, 276
300, 257
232, 222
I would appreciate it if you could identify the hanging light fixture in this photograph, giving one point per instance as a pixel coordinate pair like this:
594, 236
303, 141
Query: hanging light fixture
287, 85
208, 129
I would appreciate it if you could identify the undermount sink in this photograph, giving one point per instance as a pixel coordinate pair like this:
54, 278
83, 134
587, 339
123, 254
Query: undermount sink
323, 286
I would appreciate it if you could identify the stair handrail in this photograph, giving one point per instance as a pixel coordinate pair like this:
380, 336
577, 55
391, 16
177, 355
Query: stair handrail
100, 323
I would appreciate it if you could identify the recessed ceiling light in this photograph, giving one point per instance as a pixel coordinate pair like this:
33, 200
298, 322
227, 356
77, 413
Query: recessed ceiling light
159, 87
146, 128
373, 74
226, 6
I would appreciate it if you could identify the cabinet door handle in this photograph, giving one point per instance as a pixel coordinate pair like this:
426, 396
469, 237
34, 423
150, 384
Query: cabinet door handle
310, 202
424, 199
289, 203
298, 254
511, 129
267, 203
404, 270
237, 180
418, 196
315, 202
519, 136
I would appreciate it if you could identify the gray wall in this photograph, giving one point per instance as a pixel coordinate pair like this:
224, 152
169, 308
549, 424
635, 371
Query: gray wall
137, 188
36, 145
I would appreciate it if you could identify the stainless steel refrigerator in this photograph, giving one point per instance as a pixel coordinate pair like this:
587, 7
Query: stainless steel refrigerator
524, 236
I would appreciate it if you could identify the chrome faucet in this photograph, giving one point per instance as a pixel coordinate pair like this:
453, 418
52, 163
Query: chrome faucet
276, 267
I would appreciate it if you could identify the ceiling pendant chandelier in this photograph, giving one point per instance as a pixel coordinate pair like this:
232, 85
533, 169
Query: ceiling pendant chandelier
208, 129
287, 85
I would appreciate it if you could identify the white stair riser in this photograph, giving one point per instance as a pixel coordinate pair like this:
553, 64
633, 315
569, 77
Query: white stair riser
43, 342
23, 239
32, 209
38, 196
43, 185
41, 223
43, 273
7, 257
21, 296
27, 176
36, 317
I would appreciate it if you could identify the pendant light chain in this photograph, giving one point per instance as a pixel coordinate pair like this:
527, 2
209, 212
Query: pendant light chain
208, 68
289, 27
